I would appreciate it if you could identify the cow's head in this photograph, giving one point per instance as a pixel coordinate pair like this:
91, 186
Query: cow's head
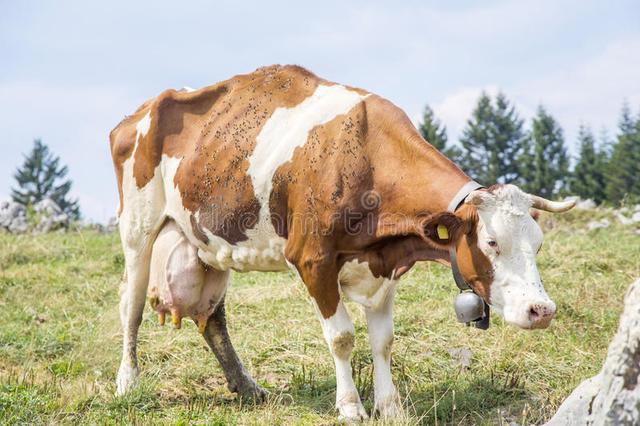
496, 242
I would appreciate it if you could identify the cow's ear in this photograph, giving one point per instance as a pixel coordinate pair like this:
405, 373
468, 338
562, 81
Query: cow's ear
443, 229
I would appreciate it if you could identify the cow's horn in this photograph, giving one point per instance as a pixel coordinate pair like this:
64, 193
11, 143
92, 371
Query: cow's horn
551, 206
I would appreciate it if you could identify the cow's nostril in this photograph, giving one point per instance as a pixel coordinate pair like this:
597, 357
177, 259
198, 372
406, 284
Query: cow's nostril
541, 314
534, 313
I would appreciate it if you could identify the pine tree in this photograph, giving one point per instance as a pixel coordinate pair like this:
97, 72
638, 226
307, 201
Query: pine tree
605, 143
476, 137
544, 164
492, 141
436, 134
623, 172
588, 180
40, 177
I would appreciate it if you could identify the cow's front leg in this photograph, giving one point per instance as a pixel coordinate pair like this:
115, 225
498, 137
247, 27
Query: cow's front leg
318, 270
339, 333
380, 327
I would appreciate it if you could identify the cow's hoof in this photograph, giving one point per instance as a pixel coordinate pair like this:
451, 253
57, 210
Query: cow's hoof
127, 377
249, 390
390, 408
351, 412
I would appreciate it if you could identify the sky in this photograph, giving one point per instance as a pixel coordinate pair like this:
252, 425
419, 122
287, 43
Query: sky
71, 70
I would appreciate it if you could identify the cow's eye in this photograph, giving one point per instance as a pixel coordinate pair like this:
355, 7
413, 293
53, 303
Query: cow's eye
493, 244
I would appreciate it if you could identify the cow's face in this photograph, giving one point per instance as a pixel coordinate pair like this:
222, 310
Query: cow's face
496, 251
509, 238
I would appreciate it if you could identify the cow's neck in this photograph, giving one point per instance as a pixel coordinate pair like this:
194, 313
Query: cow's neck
412, 180
417, 180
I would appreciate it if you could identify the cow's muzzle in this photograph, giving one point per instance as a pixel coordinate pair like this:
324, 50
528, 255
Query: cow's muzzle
541, 314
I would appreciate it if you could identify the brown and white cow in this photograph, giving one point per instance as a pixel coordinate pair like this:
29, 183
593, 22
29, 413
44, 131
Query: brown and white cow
280, 168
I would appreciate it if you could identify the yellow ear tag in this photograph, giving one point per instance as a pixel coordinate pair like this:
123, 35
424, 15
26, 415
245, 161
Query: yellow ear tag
443, 233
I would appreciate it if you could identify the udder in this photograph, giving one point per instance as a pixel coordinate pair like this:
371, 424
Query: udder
179, 283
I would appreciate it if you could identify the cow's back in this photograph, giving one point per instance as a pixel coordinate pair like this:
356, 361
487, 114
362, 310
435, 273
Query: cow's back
201, 148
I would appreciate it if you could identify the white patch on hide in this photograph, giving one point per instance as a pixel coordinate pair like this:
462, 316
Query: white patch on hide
360, 285
143, 127
284, 131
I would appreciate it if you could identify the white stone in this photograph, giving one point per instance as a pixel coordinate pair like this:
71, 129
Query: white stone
13, 217
587, 204
612, 396
112, 224
50, 216
598, 224
622, 218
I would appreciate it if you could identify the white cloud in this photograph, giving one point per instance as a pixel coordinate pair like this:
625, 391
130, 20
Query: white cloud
591, 91
455, 109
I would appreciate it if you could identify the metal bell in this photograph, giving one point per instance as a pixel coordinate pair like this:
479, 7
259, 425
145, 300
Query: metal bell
469, 307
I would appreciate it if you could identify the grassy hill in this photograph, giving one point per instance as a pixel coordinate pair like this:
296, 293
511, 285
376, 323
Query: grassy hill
60, 340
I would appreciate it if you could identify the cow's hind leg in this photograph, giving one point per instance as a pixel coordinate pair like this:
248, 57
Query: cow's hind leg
132, 300
218, 339
139, 226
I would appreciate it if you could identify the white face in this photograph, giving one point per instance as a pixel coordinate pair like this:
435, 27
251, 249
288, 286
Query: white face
511, 238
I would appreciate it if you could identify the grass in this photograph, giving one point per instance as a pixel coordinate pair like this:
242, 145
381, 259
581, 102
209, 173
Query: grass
60, 340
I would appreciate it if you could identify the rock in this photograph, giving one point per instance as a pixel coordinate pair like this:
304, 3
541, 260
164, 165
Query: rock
598, 224
612, 396
574, 409
587, 204
50, 216
462, 356
112, 225
13, 217
48, 207
622, 218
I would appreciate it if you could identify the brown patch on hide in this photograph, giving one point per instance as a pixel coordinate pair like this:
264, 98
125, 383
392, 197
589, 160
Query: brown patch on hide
342, 344
474, 266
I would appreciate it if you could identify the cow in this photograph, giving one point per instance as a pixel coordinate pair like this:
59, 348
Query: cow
281, 169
